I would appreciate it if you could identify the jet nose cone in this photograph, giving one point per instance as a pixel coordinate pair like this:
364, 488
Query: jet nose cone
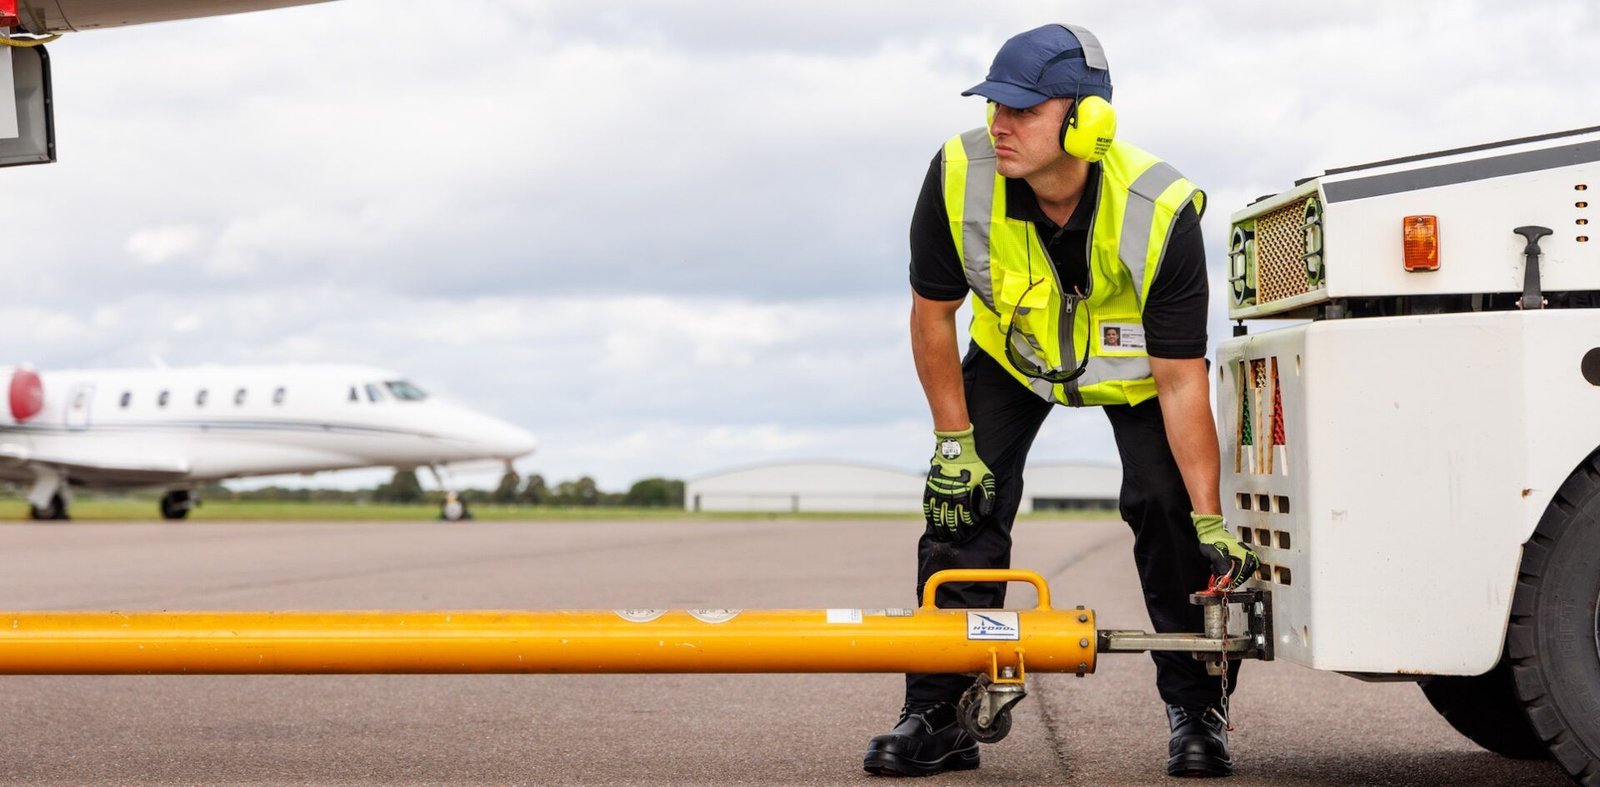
513, 441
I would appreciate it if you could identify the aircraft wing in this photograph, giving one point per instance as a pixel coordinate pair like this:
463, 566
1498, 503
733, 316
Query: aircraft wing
66, 16
110, 469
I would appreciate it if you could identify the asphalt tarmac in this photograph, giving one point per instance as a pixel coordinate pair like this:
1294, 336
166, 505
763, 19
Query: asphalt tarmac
1294, 726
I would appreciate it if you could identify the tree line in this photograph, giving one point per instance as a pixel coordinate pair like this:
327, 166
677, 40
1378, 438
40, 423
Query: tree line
512, 490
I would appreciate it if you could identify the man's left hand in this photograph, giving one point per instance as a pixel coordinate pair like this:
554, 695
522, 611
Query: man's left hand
1232, 562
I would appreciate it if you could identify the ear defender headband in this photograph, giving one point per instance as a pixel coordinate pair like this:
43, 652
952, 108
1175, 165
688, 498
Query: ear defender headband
1091, 123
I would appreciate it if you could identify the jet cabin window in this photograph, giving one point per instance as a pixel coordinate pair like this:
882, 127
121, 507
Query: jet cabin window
200, 398
405, 391
354, 397
127, 397
162, 398
277, 396
238, 397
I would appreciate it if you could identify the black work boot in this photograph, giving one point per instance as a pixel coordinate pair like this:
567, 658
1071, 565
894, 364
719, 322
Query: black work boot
926, 741
1199, 745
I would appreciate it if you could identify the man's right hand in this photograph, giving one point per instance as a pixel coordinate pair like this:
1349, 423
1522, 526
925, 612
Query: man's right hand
960, 490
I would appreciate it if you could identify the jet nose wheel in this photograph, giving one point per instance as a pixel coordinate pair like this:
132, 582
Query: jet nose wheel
454, 509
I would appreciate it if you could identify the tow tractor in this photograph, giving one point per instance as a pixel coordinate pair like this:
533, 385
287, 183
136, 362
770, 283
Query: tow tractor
1417, 459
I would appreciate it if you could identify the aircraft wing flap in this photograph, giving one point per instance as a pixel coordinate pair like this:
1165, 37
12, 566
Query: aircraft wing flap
103, 468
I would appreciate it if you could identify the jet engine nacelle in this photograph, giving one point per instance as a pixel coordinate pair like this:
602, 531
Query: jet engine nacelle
24, 395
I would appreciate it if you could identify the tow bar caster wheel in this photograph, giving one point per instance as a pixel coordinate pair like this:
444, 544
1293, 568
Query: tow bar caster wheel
985, 709
997, 729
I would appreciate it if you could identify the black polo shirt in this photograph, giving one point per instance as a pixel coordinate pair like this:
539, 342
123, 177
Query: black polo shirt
1175, 313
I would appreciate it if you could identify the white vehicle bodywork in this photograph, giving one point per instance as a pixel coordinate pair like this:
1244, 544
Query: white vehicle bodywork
1388, 469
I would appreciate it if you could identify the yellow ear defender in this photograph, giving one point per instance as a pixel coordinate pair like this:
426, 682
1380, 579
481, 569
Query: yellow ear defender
1089, 127
1086, 132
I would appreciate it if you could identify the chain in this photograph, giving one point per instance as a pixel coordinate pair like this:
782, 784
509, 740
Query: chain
1227, 718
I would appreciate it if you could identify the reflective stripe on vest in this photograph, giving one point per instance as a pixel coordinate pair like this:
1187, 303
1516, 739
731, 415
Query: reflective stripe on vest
1012, 277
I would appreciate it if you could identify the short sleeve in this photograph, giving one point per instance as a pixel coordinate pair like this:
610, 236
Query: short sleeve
936, 271
1175, 317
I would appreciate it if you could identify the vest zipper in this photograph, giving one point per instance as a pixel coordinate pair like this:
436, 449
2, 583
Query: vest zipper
1075, 396
1068, 317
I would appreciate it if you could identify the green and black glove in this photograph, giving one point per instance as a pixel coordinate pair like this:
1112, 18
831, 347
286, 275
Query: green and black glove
1232, 562
960, 491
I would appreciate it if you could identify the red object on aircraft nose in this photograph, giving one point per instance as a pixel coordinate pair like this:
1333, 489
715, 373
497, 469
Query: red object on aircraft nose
27, 395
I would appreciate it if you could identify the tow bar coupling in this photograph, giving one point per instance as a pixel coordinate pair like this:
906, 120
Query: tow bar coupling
1216, 646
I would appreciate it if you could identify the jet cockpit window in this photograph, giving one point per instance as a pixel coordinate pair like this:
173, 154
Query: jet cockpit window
405, 391
354, 397
238, 397
373, 392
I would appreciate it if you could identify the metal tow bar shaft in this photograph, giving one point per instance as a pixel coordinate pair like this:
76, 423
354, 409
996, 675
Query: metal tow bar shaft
1001, 646
1216, 646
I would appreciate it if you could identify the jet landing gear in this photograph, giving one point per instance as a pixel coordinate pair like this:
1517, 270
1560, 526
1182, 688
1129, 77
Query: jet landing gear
55, 510
453, 509
48, 499
176, 504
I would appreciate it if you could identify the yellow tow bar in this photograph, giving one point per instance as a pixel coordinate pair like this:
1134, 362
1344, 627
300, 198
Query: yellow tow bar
1001, 646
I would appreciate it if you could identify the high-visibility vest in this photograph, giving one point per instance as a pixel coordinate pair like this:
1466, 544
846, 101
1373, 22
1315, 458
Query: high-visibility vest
1138, 204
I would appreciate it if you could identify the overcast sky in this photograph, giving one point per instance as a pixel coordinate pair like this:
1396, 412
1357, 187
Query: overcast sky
666, 238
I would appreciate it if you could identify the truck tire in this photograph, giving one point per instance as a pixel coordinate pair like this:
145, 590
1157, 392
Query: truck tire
1485, 709
1554, 636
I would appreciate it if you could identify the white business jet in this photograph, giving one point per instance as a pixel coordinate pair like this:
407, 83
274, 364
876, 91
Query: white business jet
180, 428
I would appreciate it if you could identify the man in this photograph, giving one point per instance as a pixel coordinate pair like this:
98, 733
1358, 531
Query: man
1058, 233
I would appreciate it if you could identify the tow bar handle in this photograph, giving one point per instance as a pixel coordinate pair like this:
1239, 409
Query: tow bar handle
929, 591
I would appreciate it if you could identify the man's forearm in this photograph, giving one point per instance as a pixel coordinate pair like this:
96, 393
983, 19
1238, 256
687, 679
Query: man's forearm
1184, 393
938, 359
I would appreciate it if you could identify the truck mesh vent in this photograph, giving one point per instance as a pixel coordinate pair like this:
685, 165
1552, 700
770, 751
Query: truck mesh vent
1280, 250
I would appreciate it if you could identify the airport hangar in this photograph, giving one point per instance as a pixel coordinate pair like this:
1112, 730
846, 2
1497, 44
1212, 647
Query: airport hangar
811, 486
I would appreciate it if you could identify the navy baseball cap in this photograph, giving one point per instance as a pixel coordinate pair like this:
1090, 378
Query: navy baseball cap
1054, 61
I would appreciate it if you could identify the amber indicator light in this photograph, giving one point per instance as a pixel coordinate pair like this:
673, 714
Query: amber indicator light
1421, 243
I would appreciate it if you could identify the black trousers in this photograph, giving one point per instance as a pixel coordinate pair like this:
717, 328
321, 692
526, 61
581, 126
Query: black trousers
1006, 416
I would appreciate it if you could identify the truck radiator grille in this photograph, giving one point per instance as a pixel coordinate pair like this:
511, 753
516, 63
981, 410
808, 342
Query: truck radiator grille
1281, 270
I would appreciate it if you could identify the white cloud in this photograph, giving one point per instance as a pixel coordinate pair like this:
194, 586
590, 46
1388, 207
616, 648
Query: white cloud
157, 245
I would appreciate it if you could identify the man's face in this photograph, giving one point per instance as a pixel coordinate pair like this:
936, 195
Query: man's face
1028, 140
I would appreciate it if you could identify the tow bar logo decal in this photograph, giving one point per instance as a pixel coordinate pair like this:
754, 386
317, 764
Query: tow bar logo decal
639, 615
714, 615
993, 625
